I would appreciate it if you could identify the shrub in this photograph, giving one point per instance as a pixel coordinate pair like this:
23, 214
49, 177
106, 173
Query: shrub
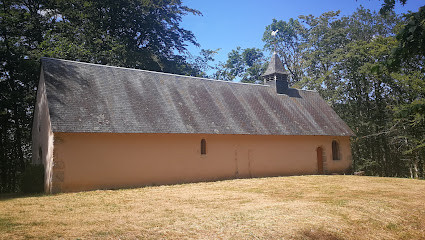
33, 179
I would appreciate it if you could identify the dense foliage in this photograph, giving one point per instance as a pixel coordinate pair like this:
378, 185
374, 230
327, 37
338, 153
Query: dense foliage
128, 33
349, 60
245, 65
32, 179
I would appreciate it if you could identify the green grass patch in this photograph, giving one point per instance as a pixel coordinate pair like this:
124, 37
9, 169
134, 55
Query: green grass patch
6, 224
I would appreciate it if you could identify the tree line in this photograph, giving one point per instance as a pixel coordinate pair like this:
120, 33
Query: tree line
368, 66
370, 69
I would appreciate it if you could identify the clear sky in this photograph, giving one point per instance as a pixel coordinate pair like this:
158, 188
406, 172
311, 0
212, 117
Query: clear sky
227, 24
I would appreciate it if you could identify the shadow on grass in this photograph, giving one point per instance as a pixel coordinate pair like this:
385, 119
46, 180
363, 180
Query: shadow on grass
319, 234
8, 196
6, 224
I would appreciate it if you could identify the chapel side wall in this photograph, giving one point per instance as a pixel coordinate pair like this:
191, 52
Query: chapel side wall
345, 163
86, 161
42, 136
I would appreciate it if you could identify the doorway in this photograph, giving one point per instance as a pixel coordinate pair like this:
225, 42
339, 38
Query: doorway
319, 151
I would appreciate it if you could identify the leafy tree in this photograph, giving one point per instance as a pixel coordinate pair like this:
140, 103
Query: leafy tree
407, 62
246, 65
202, 62
411, 47
411, 38
21, 31
344, 58
389, 5
129, 33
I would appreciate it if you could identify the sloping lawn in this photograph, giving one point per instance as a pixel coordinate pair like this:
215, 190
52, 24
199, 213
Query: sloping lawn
300, 207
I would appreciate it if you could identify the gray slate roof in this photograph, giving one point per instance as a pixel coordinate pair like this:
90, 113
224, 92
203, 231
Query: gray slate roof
275, 66
86, 97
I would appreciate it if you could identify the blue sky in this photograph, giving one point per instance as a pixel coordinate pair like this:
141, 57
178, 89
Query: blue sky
227, 24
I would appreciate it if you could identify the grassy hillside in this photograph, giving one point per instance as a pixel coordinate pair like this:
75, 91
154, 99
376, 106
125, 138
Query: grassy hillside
301, 207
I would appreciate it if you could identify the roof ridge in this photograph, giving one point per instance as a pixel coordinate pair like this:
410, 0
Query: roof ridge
307, 90
142, 70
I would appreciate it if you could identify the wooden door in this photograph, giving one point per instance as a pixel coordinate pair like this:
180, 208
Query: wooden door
319, 160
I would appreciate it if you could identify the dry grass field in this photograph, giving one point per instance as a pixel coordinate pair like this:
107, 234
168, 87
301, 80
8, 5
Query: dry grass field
300, 207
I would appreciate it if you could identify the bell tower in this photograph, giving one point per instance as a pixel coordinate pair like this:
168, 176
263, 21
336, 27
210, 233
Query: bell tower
276, 76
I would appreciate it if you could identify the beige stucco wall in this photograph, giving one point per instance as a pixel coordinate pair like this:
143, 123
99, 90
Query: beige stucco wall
42, 135
86, 161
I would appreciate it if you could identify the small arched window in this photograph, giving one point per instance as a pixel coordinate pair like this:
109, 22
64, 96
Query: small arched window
335, 150
203, 147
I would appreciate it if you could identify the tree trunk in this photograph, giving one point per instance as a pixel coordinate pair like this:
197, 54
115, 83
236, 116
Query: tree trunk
415, 167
